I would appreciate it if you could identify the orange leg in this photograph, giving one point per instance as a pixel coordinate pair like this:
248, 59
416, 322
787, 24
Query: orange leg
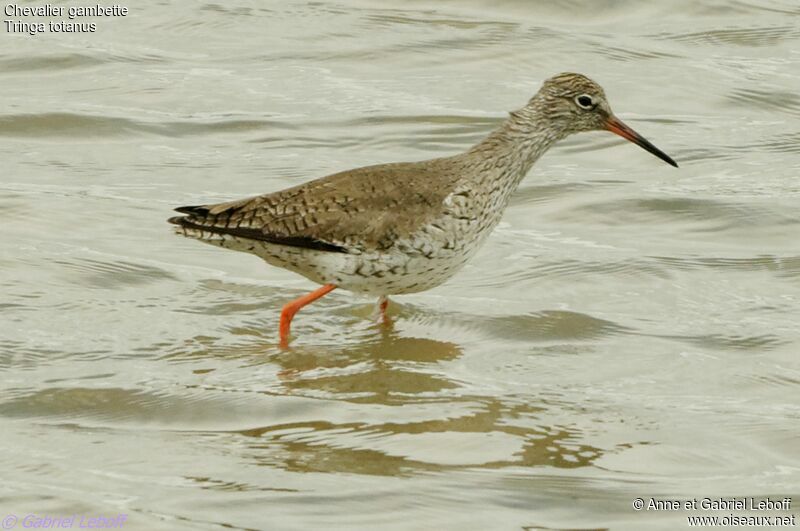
383, 303
291, 308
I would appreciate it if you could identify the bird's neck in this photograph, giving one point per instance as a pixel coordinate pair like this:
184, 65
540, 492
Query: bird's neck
509, 151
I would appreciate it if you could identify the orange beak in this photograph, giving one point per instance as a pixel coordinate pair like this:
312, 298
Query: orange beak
617, 126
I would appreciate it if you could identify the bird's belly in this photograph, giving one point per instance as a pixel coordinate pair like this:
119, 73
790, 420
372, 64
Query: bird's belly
395, 275
421, 262
388, 273
393, 272
410, 266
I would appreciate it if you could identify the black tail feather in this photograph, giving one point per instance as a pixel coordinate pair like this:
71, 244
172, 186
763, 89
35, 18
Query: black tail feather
250, 233
199, 210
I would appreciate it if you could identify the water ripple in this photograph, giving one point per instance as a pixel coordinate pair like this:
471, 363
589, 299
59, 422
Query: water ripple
665, 210
550, 325
48, 63
71, 125
782, 266
115, 274
782, 143
629, 268
753, 36
775, 100
731, 342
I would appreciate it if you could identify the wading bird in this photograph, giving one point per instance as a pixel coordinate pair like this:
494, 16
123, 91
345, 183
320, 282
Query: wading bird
403, 227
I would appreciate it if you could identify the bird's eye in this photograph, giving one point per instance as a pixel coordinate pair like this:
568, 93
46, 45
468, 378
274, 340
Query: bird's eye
585, 101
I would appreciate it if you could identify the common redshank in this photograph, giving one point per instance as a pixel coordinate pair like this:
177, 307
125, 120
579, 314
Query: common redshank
403, 227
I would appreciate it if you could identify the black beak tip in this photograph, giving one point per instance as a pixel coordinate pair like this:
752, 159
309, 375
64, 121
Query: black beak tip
657, 152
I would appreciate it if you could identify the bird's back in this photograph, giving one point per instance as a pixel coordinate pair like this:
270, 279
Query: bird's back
354, 211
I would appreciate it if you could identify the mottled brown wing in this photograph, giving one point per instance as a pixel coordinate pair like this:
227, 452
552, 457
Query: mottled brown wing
353, 211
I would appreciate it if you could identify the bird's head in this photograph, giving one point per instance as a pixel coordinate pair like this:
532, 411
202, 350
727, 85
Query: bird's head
575, 104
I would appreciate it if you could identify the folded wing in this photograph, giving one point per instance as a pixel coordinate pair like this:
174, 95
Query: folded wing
366, 209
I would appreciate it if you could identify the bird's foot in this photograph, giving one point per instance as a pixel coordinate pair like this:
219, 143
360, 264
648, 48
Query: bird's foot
291, 308
382, 317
